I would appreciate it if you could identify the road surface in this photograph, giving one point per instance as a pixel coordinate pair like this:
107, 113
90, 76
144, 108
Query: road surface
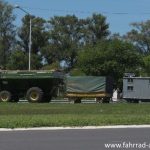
77, 139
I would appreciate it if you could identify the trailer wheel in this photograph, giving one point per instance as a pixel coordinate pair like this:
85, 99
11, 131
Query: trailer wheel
5, 96
106, 100
74, 100
34, 95
77, 100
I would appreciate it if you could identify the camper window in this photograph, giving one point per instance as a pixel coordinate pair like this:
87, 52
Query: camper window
130, 80
130, 88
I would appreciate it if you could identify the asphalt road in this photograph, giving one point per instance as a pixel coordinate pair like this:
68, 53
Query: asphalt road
94, 139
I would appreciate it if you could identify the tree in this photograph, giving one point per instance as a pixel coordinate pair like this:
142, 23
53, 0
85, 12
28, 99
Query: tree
53, 66
68, 34
110, 58
18, 60
64, 40
97, 28
51, 54
39, 38
7, 32
140, 36
146, 68
39, 33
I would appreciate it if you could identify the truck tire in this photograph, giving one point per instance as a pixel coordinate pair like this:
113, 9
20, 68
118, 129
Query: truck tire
5, 96
34, 95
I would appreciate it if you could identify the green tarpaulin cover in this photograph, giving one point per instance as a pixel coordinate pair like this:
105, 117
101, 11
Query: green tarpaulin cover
84, 84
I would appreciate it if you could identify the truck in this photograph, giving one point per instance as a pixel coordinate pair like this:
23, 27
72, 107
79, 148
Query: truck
35, 86
98, 87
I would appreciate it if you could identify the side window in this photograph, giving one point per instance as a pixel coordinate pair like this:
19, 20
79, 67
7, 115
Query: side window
130, 88
130, 80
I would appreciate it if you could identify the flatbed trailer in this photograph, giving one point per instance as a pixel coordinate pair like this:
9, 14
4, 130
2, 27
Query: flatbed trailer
35, 86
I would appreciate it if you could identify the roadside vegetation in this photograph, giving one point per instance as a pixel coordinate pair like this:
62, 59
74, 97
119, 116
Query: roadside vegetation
77, 46
50, 115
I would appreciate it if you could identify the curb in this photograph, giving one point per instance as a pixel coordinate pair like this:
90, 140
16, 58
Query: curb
75, 128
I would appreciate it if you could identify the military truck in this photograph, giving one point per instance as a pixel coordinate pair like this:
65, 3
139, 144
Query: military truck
35, 86
98, 87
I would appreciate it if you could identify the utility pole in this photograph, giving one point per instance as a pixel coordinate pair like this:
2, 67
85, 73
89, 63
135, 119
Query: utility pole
30, 35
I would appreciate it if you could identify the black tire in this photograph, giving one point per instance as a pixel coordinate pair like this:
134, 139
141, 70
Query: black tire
34, 95
106, 100
5, 96
77, 100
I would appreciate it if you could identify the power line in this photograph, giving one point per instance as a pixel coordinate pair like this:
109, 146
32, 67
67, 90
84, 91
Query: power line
88, 12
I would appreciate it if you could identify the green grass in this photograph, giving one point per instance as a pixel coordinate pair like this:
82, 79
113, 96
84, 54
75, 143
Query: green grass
37, 115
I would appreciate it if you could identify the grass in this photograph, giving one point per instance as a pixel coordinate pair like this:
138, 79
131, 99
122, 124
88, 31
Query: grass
37, 115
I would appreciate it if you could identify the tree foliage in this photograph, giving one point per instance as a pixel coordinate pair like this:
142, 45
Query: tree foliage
70, 39
39, 40
64, 39
140, 36
68, 34
109, 58
97, 28
146, 68
18, 60
39, 33
7, 32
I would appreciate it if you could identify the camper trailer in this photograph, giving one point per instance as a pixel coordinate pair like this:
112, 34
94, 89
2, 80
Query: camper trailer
136, 89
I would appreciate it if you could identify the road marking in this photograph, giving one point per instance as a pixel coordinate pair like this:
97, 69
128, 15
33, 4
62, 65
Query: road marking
75, 128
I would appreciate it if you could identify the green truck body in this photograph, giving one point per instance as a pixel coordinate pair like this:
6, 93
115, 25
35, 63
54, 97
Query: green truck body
36, 86
98, 87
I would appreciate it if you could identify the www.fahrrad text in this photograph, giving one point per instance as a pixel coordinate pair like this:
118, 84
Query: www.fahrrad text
127, 145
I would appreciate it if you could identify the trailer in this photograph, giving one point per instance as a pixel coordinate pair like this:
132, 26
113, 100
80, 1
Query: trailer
98, 87
35, 86
136, 89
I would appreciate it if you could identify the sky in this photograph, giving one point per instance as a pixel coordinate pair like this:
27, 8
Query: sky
119, 13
